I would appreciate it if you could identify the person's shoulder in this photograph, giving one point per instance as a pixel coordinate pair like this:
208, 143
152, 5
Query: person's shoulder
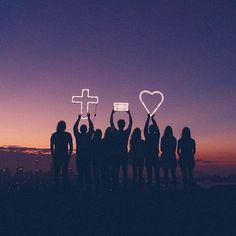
54, 134
68, 134
192, 140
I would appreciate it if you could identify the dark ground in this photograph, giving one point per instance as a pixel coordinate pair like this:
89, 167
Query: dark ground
130, 212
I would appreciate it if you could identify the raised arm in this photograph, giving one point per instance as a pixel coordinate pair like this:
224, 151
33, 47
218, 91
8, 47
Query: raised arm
75, 128
91, 128
130, 121
155, 126
146, 126
112, 119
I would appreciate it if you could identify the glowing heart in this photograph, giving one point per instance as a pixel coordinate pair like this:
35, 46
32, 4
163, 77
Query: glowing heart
151, 93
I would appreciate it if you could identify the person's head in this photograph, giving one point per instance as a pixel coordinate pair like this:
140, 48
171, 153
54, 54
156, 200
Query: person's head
61, 126
152, 129
97, 134
121, 124
107, 134
186, 134
168, 131
83, 129
136, 135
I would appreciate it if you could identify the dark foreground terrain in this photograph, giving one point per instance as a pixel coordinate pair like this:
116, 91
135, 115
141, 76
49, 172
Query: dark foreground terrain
130, 212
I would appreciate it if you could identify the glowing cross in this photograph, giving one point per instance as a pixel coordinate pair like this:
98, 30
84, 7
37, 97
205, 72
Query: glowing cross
85, 98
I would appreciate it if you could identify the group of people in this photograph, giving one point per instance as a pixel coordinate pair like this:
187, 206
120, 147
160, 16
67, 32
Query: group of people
101, 158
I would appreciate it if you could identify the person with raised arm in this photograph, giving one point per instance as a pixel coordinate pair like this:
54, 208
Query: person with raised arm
152, 138
120, 139
83, 151
59, 143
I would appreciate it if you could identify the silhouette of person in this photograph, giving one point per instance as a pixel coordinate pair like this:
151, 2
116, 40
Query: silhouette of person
120, 138
59, 142
152, 138
186, 150
168, 156
137, 154
107, 157
97, 155
83, 151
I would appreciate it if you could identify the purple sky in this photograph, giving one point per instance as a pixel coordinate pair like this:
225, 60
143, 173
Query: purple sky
50, 50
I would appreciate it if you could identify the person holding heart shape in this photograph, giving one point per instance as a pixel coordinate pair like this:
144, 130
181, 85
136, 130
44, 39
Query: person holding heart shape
152, 137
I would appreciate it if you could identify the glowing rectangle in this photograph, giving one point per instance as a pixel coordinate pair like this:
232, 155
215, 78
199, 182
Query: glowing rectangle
121, 106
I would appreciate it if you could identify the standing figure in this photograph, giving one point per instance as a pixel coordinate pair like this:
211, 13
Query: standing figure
107, 159
137, 154
97, 155
186, 151
83, 151
120, 138
152, 138
59, 142
168, 156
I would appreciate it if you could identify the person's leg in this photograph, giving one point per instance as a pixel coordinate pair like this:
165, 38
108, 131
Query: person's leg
79, 166
157, 173
173, 175
149, 174
87, 173
56, 173
190, 174
166, 176
124, 166
65, 173
140, 174
134, 173
115, 171
96, 177
184, 176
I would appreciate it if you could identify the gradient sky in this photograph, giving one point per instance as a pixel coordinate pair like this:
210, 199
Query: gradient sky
50, 50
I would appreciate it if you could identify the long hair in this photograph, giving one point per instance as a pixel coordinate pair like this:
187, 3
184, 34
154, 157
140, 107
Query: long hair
186, 133
135, 136
61, 126
168, 133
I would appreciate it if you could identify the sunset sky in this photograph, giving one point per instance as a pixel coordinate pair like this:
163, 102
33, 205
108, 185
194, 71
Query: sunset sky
51, 50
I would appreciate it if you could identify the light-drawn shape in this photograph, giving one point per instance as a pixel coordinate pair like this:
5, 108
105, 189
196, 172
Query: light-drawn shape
80, 99
121, 106
151, 93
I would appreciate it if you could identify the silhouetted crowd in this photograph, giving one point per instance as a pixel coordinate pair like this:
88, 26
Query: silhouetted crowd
100, 159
